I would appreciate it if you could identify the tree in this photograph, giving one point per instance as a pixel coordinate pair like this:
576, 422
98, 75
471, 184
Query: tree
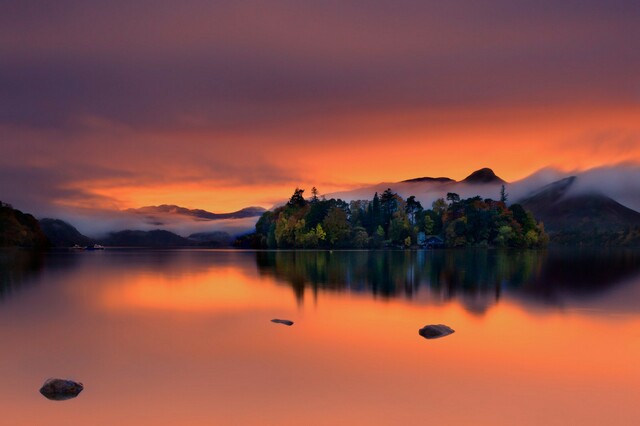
399, 228
428, 225
503, 195
453, 197
263, 224
376, 214
505, 234
285, 231
320, 233
314, 195
297, 200
360, 238
412, 208
359, 212
439, 206
336, 226
389, 205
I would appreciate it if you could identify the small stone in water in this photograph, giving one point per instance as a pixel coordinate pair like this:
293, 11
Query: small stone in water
282, 321
61, 389
435, 331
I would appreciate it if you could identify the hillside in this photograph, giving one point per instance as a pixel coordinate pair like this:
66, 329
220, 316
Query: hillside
483, 176
155, 238
212, 239
62, 234
572, 217
18, 229
429, 179
560, 209
172, 209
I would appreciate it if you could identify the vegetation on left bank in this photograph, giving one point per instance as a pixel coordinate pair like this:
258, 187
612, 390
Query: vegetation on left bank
18, 229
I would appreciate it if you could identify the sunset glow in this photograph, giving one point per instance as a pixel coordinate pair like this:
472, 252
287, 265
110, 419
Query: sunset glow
334, 212
107, 113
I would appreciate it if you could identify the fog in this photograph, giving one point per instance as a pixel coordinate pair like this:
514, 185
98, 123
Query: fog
621, 183
98, 223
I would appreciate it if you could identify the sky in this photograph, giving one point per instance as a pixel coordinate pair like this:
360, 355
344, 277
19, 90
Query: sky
225, 104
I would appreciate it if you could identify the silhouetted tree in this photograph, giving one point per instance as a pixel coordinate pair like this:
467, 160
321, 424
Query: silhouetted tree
297, 200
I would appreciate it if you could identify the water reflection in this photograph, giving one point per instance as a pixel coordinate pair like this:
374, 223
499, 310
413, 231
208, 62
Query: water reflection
476, 278
185, 337
17, 267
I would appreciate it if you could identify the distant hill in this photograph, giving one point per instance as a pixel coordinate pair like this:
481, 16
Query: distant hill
62, 234
212, 239
197, 213
18, 229
155, 238
583, 218
430, 179
483, 176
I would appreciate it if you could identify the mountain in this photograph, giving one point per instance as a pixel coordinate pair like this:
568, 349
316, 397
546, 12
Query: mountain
429, 179
20, 229
155, 238
62, 234
572, 216
212, 239
483, 182
197, 214
483, 176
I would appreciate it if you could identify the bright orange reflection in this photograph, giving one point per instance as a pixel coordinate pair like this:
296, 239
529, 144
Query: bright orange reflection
186, 339
219, 289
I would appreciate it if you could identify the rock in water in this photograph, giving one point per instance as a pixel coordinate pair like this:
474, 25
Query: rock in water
61, 389
435, 331
282, 321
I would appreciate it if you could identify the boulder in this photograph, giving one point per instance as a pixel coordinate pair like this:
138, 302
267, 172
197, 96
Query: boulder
61, 389
282, 321
435, 331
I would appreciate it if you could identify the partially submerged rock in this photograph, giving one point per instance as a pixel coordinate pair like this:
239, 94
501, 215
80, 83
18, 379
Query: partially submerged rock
282, 321
435, 331
61, 389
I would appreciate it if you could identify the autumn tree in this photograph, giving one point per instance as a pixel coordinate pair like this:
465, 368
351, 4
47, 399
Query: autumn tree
336, 226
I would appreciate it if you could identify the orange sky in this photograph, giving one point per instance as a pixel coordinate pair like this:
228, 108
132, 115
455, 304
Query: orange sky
353, 151
224, 105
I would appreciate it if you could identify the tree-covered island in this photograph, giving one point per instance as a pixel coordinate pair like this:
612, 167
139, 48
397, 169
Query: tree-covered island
388, 220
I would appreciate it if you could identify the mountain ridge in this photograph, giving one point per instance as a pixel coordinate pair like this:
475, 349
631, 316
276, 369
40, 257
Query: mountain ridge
197, 214
18, 229
563, 211
63, 234
481, 176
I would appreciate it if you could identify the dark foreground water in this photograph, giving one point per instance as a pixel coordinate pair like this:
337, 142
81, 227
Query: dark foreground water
185, 338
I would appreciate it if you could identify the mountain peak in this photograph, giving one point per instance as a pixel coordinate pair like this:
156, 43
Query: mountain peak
482, 176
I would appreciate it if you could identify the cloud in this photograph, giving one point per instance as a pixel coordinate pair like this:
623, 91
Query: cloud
104, 102
230, 65
620, 182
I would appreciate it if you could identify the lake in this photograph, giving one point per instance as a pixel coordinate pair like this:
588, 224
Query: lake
184, 337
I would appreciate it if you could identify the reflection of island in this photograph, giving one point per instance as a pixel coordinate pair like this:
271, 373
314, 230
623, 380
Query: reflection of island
475, 278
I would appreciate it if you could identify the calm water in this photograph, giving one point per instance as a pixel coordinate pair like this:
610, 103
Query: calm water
184, 337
